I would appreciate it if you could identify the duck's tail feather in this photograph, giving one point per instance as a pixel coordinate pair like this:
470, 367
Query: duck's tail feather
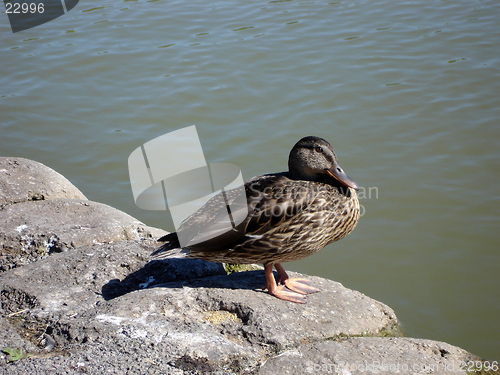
170, 249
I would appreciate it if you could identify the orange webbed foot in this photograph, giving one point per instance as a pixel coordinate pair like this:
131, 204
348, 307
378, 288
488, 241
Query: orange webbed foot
293, 290
300, 285
286, 294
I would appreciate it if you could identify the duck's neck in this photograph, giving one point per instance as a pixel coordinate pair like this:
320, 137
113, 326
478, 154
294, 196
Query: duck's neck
304, 175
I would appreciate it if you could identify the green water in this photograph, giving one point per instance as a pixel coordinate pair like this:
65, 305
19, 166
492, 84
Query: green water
406, 92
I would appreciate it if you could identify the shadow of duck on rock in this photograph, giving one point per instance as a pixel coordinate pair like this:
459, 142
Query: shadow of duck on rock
175, 273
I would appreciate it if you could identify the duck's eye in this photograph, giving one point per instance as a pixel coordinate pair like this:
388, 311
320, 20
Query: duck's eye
319, 149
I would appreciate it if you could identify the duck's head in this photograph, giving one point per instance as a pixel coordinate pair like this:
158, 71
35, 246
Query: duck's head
313, 158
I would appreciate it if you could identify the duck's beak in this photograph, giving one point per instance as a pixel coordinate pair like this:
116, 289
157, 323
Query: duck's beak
338, 173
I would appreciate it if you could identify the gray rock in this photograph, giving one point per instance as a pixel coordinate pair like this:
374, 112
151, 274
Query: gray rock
105, 307
72, 282
65, 298
181, 314
378, 355
335, 311
33, 230
24, 180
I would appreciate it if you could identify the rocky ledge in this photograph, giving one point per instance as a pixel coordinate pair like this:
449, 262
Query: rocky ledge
79, 294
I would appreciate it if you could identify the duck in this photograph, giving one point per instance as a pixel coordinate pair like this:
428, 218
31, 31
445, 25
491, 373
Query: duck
291, 215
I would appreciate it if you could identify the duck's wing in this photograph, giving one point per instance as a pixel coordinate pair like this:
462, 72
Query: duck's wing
271, 201
211, 227
272, 205
275, 201
215, 222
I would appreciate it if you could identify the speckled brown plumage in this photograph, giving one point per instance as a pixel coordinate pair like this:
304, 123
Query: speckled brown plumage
291, 215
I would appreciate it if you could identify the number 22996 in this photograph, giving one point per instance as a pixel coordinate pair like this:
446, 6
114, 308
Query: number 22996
18, 8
